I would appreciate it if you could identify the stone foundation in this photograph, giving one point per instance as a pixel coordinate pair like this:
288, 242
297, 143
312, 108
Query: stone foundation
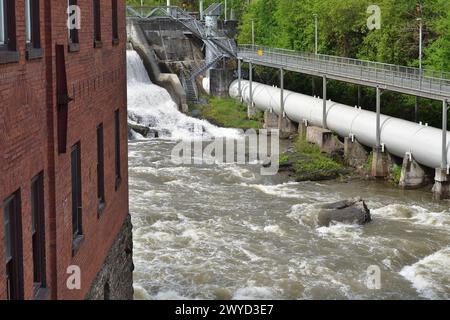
324, 138
441, 189
413, 175
380, 163
355, 154
287, 127
115, 279
270, 120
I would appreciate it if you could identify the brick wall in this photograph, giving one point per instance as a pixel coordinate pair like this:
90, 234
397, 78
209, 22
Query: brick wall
96, 79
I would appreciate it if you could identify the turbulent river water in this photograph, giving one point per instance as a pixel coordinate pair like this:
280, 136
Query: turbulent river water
226, 232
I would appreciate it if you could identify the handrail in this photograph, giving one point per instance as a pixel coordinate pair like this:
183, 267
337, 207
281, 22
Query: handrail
419, 80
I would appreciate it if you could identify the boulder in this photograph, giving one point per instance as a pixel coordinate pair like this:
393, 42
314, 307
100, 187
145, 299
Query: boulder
347, 211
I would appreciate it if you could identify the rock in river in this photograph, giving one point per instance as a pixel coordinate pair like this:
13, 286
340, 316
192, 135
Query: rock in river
347, 211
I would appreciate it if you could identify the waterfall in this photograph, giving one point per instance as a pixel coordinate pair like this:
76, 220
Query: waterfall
152, 106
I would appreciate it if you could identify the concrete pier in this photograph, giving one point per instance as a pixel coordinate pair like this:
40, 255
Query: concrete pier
441, 188
380, 163
355, 154
324, 138
413, 175
270, 120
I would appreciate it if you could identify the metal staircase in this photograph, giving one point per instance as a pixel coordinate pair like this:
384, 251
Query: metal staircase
216, 41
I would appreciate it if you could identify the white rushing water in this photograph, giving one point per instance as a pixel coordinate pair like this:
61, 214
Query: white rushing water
226, 232
152, 106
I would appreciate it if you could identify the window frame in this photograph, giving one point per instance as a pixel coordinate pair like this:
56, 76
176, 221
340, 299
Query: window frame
115, 22
101, 202
12, 216
38, 233
33, 29
77, 203
8, 50
117, 148
73, 34
97, 23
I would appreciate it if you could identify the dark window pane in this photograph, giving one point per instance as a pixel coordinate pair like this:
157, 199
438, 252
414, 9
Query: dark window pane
76, 190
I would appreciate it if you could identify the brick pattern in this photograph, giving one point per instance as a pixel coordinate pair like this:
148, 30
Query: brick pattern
96, 80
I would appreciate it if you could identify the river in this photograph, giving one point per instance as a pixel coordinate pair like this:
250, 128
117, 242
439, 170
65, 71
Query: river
226, 232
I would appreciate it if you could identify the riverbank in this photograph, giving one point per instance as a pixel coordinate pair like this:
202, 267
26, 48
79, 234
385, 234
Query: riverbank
227, 113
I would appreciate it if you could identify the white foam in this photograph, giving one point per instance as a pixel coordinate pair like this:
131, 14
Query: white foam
414, 214
431, 275
254, 293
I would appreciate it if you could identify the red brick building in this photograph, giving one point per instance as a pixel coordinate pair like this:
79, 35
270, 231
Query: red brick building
63, 151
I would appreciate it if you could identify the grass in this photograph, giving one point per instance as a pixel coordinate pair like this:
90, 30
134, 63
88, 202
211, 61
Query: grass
229, 113
311, 164
284, 159
396, 174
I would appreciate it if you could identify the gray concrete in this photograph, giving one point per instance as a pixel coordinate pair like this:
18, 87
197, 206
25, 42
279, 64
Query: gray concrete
355, 154
219, 82
324, 138
287, 127
380, 164
413, 175
441, 188
270, 120
114, 281
302, 129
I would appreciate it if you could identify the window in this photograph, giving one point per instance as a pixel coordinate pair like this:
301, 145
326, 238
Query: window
13, 247
115, 21
74, 25
8, 52
100, 169
117, 149
2, 23
38, 232
32, 29
77, 230
97, 24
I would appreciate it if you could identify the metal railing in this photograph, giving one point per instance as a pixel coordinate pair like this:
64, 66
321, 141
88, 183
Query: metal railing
424, 81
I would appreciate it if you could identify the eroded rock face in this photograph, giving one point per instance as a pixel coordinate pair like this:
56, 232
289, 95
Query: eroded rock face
347, 211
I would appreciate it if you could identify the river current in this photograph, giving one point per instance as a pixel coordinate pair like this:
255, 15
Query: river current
226, 232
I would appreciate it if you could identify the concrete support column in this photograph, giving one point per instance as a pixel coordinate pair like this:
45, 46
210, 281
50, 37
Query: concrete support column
251, 111
380, 163
240, 77
378, 145
413, 175
355, 154
441, 189
324, 111
271, 120
281, 118
444, 134
302, 129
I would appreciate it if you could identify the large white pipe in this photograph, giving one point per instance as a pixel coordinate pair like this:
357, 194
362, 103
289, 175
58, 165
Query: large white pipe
398, 136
